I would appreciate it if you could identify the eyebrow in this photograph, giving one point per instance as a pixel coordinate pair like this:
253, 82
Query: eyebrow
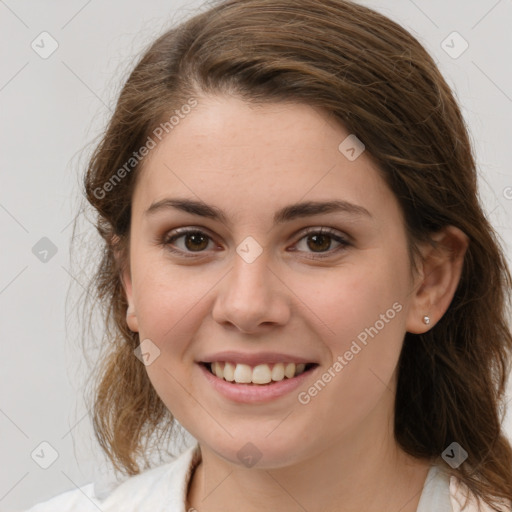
286, 214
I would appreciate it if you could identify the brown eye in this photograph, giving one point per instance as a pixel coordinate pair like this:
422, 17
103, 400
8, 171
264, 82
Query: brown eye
320, 242
196, 241
187, 241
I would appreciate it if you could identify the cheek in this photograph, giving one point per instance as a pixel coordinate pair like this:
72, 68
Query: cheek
366, 309
168, 301
356, 297
363, 310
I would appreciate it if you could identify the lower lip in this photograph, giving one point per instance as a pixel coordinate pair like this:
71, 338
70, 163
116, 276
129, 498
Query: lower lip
255, 393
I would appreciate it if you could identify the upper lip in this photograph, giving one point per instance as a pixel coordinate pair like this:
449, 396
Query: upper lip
254, 359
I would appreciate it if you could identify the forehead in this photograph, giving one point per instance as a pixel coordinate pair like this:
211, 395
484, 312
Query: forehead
251, 158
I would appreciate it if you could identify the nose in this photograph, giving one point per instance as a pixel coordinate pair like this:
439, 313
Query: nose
252, 297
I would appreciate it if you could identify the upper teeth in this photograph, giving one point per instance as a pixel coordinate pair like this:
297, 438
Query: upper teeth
260, 374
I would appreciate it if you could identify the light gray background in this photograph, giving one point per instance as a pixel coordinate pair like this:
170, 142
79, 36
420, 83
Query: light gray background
51, 109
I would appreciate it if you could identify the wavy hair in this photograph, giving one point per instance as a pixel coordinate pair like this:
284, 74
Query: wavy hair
373, 76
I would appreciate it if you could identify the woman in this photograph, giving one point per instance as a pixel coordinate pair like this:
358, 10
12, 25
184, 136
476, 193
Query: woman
297, 268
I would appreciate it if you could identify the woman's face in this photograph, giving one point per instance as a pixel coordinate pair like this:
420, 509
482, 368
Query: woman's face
257, 285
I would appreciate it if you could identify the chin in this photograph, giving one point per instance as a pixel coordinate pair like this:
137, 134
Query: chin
256, 451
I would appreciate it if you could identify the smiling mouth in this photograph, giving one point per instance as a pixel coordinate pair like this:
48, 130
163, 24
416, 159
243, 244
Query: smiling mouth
259, 374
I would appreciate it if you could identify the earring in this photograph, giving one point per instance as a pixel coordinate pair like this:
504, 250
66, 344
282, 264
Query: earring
426, 319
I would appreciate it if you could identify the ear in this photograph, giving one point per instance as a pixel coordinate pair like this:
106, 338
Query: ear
439, 276
126, 281
131, 315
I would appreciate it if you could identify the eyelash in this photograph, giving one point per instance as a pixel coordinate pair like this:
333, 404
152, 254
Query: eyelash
181, 232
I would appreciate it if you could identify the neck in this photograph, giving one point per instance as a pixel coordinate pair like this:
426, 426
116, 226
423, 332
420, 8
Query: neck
362, 470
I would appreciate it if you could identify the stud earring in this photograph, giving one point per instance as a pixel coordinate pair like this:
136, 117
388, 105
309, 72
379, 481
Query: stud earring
426, 319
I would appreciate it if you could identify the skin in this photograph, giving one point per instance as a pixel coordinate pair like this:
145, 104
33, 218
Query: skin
249, 162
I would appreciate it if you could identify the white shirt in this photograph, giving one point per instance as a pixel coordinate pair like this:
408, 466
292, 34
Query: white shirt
164, 489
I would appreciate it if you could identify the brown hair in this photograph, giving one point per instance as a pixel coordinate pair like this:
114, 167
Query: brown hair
377, 79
